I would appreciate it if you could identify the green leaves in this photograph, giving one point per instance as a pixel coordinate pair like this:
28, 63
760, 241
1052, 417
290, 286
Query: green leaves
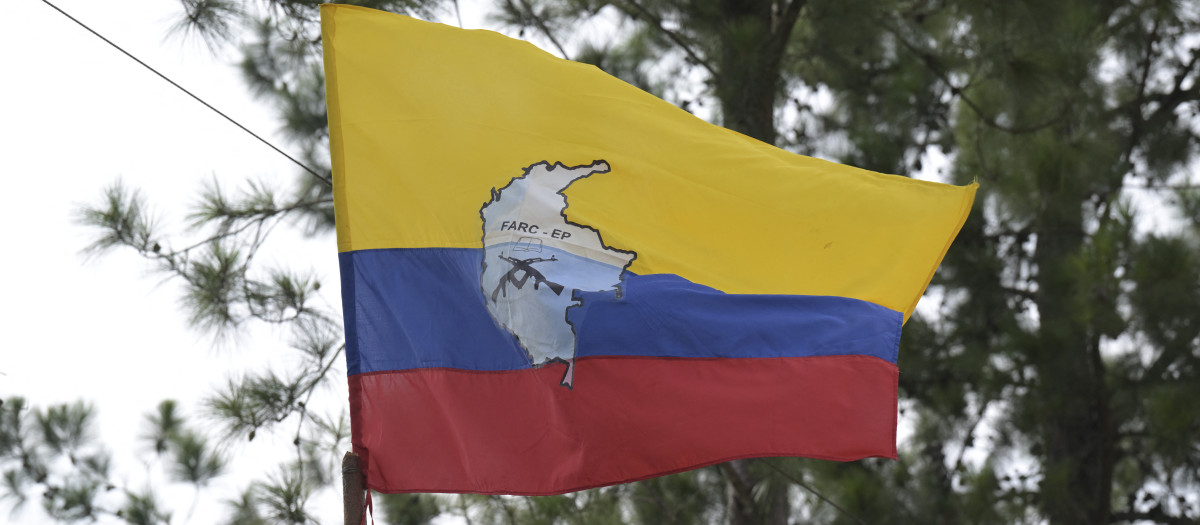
73, 500
407, 509
244, 406
1049, 384
163, 425
12, 429
244, 510
213, 287
284, 495
686, 497
121, 218
143, 509
1166, 271
195, 462
65, 429
53, 454
223, 287
213, 21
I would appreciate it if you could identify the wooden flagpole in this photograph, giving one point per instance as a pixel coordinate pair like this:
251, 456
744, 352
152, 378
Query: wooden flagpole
353, 493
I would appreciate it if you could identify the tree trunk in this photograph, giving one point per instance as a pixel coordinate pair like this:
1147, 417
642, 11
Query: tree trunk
753, 35
743, 509
1071, 396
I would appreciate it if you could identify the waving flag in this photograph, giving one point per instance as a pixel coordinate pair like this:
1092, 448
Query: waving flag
554, 281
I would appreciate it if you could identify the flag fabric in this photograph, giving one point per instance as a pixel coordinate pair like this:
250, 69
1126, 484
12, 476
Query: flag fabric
553, 280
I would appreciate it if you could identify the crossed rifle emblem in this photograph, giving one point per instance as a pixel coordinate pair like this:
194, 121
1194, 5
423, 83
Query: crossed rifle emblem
524, 269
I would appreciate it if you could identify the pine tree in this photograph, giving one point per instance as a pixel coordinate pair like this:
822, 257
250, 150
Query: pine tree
52, 456
1045, 377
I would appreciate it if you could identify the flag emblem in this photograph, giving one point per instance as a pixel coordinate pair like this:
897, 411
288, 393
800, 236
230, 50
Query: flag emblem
535, 259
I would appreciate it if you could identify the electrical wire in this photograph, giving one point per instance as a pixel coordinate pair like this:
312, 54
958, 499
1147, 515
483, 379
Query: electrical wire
770, 463
303, 166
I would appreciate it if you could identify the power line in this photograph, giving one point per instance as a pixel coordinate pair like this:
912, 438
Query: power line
768, 462
198, 99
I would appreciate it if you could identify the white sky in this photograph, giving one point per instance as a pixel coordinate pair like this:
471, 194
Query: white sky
77, 115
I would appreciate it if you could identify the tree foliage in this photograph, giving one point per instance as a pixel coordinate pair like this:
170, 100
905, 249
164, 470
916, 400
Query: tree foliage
1044, 379
53, 455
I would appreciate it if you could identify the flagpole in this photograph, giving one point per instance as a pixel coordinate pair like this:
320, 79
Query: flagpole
352, 489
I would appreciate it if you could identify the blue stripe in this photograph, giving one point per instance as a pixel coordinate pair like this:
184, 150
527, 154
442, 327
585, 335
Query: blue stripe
669, 316
421, 308
424, 308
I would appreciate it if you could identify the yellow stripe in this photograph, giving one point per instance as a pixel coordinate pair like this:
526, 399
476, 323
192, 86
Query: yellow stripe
426, 119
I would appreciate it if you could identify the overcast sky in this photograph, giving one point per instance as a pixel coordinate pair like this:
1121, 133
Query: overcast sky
77, 115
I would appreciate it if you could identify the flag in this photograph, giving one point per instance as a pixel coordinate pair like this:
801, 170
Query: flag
552, 280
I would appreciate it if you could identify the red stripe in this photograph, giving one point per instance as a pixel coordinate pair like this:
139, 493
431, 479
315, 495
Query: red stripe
519, 432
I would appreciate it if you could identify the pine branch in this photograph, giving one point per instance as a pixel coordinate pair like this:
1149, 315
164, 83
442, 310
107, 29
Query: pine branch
678, 39
252, 218
741, 490
1024, 294
527, 11
1169, 100
1156, 514
1139, 100
931, 63
781, 32
311, 388
814, 492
